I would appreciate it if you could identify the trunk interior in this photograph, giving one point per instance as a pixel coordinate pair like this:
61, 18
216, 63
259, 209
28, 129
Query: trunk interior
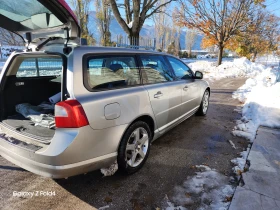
32, 90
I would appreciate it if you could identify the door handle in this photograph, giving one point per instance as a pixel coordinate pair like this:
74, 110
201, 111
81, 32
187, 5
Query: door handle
158, 94
185, 88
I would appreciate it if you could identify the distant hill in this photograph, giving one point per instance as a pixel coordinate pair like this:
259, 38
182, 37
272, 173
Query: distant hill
147, 31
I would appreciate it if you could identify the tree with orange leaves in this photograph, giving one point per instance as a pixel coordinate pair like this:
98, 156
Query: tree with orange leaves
219, 20
259, 36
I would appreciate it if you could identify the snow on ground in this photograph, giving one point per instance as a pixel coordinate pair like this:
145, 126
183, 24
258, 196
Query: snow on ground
111, 170
208, 188
240, 67
260, 94
261, 97
240, 162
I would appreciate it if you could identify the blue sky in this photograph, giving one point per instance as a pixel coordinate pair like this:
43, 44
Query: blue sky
272, 6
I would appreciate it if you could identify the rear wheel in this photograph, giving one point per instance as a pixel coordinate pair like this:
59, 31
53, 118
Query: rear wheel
203, 108
134, 147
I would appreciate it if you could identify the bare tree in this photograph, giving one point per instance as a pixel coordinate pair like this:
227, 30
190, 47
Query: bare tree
103, 16
175, 37
191, 36
135, 14
10, 38
162, 25
81, 9
219, 20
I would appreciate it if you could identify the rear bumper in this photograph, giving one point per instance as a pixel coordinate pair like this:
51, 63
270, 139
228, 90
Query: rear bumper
57, 172
71, 152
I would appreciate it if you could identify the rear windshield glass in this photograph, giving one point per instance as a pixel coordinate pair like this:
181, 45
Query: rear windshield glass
110, 72
37, 67
27, 14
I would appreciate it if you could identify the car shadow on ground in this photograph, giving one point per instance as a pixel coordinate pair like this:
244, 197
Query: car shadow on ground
11, 168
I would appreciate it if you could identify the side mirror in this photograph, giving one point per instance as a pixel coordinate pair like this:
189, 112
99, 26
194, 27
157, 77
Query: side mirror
198, 75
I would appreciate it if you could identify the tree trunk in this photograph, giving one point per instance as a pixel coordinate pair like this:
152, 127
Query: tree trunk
190, 52
254, 57
220, 56
134, 39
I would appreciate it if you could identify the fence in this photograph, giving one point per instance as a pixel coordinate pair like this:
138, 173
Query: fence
269, 60
135, 43
5, 51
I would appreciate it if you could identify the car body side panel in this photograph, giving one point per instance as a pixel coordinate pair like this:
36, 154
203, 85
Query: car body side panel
167, 107
133, 101
191, 94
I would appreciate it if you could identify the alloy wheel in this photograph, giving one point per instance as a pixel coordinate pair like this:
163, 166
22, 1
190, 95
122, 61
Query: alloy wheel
205, 102
137, 147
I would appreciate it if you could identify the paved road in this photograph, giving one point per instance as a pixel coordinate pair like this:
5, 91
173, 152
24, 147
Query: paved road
199, 140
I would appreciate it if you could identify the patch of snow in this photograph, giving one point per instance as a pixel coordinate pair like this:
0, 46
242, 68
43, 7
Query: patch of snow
240, 162
208, 188
130, 24
240, 67
111, 170
261, 97
245, 153
104, 207
232, 144
171, 206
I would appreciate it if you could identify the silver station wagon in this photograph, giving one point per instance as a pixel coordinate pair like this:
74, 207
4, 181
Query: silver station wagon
68, 109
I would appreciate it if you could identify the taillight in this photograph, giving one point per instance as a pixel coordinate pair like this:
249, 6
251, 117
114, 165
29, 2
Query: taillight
70, 114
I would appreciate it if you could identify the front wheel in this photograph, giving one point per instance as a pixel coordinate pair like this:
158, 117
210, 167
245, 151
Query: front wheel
203, 108
134, 147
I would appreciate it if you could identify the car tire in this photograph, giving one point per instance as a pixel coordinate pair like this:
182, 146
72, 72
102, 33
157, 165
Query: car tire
203, 108
134, 147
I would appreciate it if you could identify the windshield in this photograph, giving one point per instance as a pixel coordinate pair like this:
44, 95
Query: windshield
26, 15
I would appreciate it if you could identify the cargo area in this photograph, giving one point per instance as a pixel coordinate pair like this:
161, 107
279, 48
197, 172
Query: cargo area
25, 103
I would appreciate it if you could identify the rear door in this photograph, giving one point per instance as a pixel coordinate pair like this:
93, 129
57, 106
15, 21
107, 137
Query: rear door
164, 92
189, 87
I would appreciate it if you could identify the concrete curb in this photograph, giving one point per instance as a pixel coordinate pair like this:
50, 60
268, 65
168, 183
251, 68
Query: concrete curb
261, 189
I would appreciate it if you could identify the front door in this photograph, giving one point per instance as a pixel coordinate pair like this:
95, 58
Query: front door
164, 92
189, 87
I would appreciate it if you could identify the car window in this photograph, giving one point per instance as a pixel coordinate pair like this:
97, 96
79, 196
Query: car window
181, 70
155, 70
36, 67
109, 72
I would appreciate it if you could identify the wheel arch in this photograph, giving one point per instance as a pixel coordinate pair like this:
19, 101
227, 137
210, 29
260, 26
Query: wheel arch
145, 118
208, 88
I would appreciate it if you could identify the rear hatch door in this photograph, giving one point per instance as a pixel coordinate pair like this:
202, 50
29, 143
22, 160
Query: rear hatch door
41, 18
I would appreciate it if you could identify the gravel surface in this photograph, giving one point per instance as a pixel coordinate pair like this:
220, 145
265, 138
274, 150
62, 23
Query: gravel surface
198, 140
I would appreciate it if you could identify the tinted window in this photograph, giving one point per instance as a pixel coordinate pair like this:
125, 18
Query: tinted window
155, 69
107, 72
181, 70
36, 67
